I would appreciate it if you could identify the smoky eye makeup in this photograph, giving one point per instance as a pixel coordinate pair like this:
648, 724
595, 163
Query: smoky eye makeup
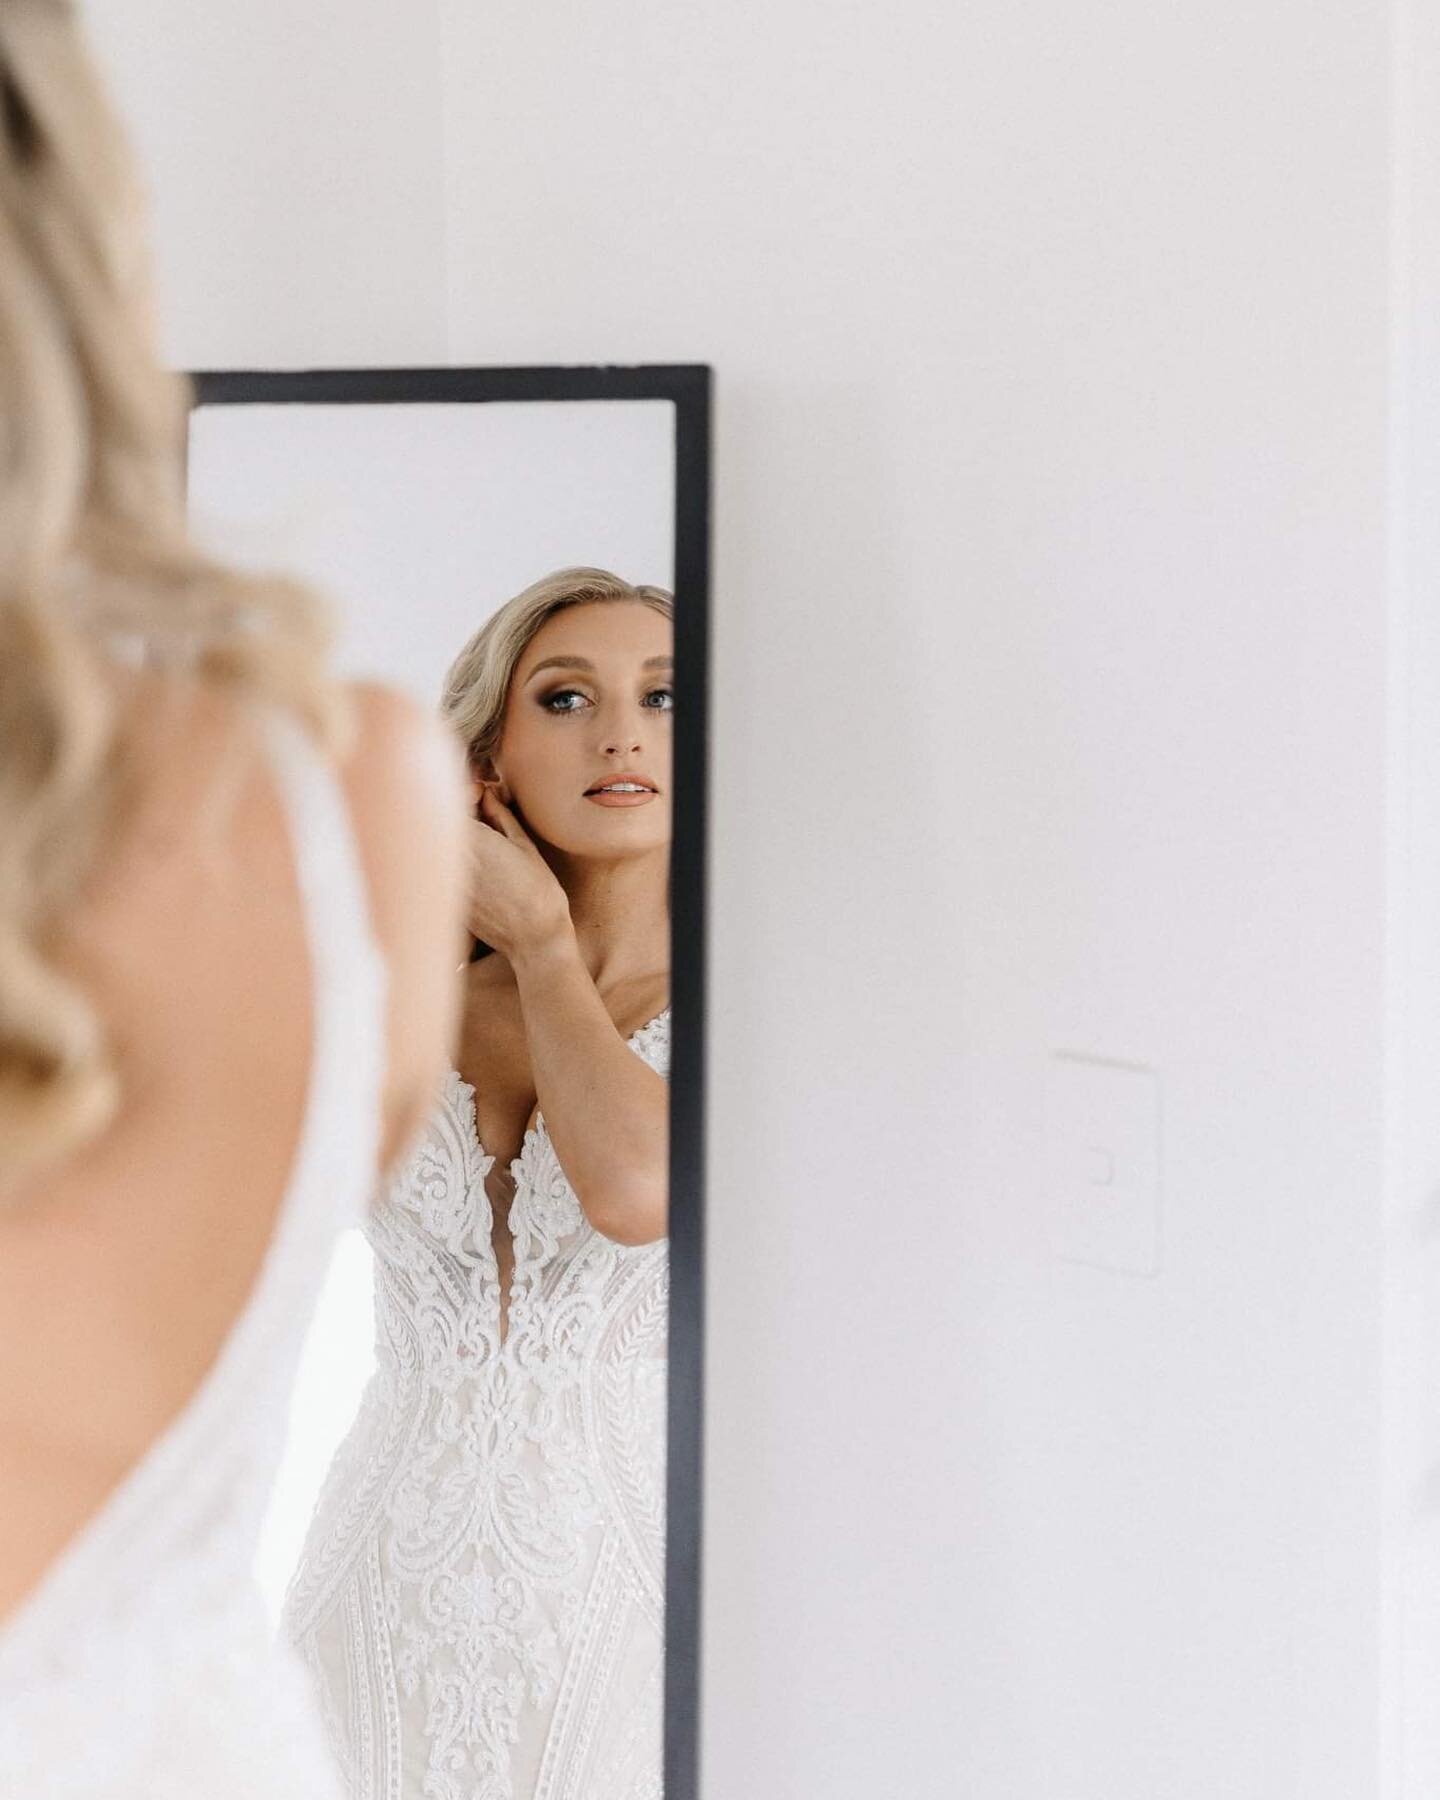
547, 701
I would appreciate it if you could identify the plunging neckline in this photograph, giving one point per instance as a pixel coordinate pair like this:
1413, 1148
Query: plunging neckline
505, 1291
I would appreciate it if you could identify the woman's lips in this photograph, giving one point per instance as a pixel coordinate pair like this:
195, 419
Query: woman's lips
622, 799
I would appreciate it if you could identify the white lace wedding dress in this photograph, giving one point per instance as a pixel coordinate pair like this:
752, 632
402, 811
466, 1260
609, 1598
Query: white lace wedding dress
481, 1592
143, 1666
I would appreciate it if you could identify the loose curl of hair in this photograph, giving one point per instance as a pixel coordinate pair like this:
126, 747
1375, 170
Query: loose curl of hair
96, 569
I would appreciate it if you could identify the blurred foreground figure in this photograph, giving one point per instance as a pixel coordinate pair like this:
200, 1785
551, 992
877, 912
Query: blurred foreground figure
229, 916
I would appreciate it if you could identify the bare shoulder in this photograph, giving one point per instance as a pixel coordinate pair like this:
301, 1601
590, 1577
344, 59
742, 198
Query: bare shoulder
403, 768
401, 773
403, 778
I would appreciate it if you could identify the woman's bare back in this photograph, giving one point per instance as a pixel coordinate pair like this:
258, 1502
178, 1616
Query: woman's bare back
123, 1271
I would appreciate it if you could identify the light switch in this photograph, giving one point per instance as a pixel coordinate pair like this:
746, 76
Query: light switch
1102, 1130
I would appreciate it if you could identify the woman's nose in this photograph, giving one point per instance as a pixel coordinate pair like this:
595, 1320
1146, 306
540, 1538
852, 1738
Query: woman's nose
622, 736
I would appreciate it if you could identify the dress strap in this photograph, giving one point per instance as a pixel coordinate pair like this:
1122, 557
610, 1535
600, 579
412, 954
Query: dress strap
348, 970
332, 879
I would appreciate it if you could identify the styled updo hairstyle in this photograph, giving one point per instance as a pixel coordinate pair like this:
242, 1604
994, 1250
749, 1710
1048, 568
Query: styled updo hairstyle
95, 564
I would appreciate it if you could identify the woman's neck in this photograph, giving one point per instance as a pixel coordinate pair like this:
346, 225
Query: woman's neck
621, 914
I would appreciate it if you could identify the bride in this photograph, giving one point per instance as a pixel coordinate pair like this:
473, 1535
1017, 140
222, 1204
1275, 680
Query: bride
228, 888
480, 1594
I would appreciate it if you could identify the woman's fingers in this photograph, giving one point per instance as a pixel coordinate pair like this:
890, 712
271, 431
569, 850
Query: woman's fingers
513, 893
496, 812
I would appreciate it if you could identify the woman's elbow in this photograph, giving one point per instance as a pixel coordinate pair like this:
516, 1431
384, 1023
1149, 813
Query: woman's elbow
637, 1213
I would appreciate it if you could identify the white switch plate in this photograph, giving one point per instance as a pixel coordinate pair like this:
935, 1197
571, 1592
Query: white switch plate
1102, 1132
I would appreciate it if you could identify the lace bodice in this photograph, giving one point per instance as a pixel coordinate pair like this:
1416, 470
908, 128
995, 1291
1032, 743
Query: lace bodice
143, 1666
480, 1594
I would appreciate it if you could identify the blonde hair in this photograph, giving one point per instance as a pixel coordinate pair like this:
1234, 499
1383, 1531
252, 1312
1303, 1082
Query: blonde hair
95, 564
473, 697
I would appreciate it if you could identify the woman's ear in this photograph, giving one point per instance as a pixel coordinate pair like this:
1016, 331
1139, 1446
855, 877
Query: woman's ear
484, 773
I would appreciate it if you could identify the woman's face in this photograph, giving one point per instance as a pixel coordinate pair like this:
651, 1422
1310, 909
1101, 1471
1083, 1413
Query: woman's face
592, 702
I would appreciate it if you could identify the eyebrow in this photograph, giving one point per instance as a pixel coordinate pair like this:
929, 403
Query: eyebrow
583, 662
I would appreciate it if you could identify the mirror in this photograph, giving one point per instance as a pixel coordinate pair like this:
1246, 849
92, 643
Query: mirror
485, 1538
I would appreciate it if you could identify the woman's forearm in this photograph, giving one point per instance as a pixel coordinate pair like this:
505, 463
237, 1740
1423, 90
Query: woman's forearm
606, 1110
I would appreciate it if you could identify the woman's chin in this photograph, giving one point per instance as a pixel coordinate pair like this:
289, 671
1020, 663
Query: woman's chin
613, 846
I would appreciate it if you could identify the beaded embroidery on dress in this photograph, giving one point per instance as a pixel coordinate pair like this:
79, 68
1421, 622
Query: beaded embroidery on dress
144, 1667
481, 1592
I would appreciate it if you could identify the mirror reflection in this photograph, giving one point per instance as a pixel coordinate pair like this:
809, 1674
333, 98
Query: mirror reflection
478, 1589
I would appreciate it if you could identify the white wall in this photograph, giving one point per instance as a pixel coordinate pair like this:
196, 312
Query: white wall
293, 147
1063, 570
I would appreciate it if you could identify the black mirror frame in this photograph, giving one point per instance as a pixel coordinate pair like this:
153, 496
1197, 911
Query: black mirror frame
687, 386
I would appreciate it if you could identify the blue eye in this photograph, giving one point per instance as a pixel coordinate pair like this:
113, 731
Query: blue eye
554, 703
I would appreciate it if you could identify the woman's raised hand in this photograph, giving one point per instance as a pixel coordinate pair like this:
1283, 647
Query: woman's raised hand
515, 901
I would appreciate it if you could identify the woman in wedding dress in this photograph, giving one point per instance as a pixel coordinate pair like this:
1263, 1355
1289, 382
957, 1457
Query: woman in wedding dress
210, 857
481, 1592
